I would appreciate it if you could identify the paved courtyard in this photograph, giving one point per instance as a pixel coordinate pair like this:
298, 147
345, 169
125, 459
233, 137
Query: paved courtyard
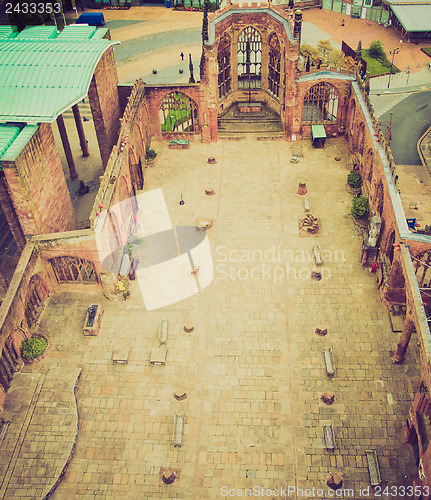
252, 368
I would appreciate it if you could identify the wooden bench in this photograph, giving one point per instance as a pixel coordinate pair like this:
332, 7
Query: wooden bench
306, 203
178, 429
328, 433
329, 361
373, 467
317, 252
163, 331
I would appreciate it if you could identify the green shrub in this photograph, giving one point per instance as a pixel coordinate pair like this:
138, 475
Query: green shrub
376, 50
360, 207
354, 180
33, 347
150, 154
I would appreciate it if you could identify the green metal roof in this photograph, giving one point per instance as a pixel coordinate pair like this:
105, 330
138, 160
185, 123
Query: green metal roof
100, 33
18, 144
39, 80
413, 17
8, 32
7, 136
38, 32
318, 131
77, 31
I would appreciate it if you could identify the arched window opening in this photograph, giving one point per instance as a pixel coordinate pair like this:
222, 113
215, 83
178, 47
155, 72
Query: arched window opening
274, 65
249, 59
320, 104
36, 294
422, 265
73, 270
178, 113
224, 69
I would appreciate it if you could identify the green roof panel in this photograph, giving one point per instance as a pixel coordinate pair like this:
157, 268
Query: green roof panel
7, 136
38, 32
77, 31
413, 17
19, 142
41, 79
8, 32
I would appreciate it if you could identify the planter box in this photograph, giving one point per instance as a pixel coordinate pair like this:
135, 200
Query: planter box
93, 330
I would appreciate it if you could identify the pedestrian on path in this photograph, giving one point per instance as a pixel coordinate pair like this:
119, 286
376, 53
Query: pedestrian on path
342, 22
182, 56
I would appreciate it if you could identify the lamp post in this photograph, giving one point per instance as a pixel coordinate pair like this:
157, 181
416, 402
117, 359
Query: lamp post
408, 74
392, 52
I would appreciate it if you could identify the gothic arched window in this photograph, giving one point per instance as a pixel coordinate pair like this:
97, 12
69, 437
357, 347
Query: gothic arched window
274, 65
320, 104
178, 113
249, 59
224, 70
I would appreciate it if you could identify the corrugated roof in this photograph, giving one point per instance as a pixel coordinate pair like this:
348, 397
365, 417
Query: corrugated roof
18, 144
100, 33
77, 31
8, 32
413, 17
38, 32
7, 136
41, 79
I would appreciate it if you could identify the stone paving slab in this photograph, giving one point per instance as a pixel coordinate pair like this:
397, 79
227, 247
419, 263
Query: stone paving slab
252, 368
42, 433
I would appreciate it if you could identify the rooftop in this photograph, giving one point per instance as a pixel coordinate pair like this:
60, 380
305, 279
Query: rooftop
41, 78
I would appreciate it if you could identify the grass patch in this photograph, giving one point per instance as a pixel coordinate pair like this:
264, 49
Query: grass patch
374, 67
427, 50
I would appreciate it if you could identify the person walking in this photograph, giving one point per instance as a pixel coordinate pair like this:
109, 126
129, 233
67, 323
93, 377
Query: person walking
342, 22
182, 56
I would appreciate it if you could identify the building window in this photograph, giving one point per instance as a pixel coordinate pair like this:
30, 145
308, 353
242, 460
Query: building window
73, 270
178, 113
274, 65
249, 59
320, 104
224, 70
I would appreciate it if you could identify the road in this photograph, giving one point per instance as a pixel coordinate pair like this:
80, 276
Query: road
410, 119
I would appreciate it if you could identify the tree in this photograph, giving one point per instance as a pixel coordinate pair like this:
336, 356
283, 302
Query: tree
358, 54
376, 50
347, 63
311, 52
324, 47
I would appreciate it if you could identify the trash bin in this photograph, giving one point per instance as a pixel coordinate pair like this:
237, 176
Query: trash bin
168, 4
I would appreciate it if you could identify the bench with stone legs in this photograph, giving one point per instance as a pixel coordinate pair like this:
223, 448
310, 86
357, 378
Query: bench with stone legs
328, 433
317, 252
163, 331
177, 434
373, 467
329, 360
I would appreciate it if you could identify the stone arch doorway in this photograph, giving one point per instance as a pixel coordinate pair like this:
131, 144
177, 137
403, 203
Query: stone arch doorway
37, 292
178, 113
136, 172
249, 58
274, 65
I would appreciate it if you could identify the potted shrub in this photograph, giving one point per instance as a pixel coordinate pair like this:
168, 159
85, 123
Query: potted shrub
123, 288
34, 348
150, 157
354, 183
360, 210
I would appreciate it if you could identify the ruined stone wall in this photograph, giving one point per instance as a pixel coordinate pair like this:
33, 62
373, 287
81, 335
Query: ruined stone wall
105, 104
37, 186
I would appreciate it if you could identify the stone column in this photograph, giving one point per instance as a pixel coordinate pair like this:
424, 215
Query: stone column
66, 146
10, 214
408, 328
80, 129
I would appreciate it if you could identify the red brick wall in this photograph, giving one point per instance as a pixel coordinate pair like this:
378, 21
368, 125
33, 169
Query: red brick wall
38, 188
105, 104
